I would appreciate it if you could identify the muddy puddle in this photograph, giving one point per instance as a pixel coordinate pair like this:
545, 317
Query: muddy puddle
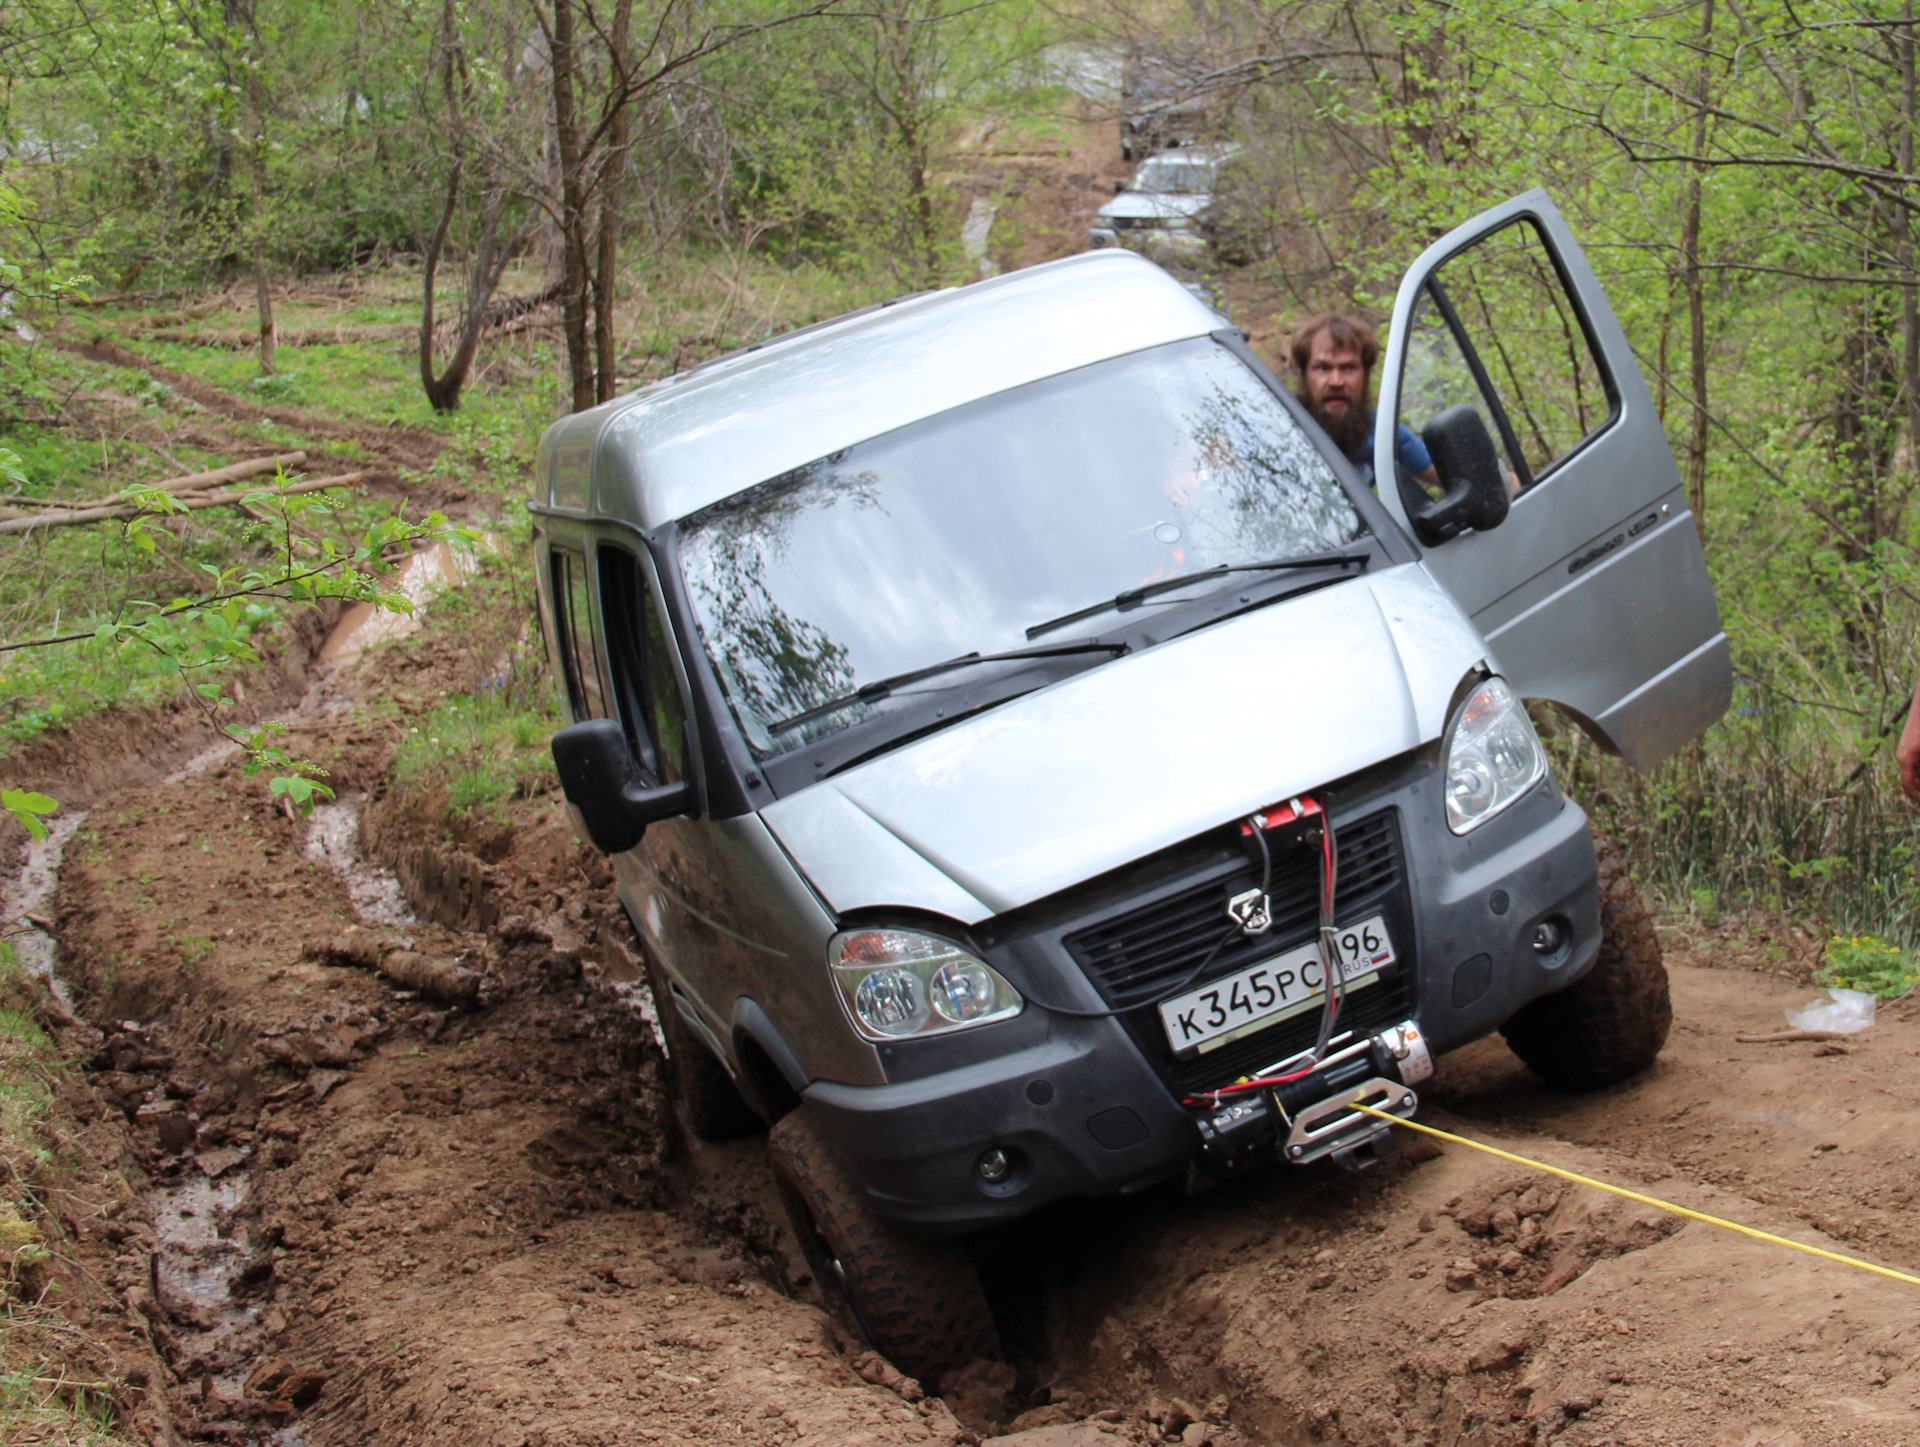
198, 1255
333, 839
26, 900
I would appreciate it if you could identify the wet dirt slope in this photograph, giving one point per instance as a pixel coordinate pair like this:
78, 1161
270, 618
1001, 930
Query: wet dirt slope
461, 1225
1449, 1298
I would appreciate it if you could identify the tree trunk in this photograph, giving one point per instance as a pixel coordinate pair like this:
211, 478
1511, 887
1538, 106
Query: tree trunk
443, 393
264, 297
612, 174
1903, 247
575, 281
1696, 295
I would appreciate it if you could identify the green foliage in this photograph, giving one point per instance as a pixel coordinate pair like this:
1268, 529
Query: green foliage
843, 126
481, 750
34, 1407
1863, 962
1738, 169
197, 638
28, 807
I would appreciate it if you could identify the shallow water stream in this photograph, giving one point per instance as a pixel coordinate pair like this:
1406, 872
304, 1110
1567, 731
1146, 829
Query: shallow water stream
201, 1245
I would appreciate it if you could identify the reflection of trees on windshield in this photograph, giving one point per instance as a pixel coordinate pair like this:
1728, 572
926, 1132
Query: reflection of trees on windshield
774, 664
1436, 376
956, 533
1279, 497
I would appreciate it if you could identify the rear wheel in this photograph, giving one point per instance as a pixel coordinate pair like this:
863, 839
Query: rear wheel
710, 1104
1611, 1023
918, 1303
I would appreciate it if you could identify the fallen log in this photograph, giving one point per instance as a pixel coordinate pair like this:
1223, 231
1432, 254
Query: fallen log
233, 472
191, 482
242, 341
115, 511
434, 975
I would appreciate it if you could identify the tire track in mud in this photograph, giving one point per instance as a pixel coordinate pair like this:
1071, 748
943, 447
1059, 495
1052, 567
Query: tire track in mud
438, 1224
479, 1225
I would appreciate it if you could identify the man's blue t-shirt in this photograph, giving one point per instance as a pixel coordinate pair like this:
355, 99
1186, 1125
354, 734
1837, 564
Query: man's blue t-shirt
1408, 450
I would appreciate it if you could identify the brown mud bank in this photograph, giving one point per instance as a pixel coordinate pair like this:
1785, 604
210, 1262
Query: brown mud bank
124, 746
331, 1201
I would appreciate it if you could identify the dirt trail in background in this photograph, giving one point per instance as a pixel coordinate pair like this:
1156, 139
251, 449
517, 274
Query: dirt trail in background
393, 449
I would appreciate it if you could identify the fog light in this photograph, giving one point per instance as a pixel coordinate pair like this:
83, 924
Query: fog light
1548, 936
994, 1166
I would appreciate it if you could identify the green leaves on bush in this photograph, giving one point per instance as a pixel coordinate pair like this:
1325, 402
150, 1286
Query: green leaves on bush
1866, 962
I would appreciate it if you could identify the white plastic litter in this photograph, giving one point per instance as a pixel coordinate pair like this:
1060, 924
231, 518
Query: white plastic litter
1845, 1012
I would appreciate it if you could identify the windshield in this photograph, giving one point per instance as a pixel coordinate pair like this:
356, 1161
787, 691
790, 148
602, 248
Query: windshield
953, 535
1164, 177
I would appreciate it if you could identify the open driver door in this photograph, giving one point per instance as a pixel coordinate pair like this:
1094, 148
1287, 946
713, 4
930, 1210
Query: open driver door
1554, 512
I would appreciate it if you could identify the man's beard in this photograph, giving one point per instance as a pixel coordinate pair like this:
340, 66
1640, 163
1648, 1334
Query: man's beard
1350, 427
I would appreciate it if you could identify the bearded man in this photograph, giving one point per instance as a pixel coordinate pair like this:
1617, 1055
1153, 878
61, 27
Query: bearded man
1333, 357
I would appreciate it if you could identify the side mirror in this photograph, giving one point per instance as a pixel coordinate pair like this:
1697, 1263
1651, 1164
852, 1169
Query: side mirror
1473, 478
1118, 187
602, 781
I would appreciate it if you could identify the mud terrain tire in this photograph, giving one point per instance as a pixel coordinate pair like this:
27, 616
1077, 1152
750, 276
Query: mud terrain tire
710, 1104
1610, 1024
918, 1303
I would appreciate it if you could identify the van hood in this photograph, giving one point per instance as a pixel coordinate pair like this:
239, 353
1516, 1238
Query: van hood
1073, 780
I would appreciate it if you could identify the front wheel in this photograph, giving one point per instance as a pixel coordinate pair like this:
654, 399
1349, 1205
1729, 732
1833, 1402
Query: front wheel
918, 1303
1611, 1023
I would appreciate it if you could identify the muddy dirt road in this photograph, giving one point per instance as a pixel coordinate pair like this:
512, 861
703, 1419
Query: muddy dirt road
344, 1210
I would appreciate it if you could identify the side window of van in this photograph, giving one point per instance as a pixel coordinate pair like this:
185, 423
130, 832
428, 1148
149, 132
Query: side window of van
640, 659
1495, 329
573, 622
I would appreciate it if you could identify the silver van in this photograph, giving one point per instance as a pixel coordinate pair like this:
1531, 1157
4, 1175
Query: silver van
1163, 211
1037, 766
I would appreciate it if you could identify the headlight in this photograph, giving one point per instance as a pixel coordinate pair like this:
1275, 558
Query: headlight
899, 983
1493, 756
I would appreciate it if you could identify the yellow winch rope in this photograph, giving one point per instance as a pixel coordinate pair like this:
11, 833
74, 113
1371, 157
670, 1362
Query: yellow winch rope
1653, 1201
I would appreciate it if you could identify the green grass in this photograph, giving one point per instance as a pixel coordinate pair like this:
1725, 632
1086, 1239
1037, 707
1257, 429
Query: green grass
40, 1403
484, 748
481, 750
1781, 809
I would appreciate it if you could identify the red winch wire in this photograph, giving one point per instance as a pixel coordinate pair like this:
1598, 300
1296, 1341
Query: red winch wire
1330, 1010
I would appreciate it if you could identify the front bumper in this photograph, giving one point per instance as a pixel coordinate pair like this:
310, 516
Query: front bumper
1148, 241
1093, 1106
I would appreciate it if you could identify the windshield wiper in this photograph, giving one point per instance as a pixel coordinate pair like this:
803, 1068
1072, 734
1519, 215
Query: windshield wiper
881, 687
1134, 597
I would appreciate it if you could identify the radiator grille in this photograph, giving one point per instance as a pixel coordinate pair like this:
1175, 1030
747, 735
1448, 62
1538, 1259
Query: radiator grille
1134, 957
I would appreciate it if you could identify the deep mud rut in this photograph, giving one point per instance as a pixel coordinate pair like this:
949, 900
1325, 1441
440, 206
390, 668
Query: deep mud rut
346, 1212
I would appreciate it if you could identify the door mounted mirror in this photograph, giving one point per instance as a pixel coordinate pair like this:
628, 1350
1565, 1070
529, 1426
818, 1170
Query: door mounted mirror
603, 782
1476, 488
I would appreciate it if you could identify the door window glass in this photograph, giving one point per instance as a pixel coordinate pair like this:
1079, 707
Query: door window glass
573, 619
640, 655
1494, 329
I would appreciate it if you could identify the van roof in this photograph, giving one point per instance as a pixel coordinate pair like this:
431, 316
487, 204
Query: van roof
684, 443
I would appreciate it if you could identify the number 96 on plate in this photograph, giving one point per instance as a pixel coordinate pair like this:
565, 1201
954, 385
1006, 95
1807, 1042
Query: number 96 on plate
1279, 986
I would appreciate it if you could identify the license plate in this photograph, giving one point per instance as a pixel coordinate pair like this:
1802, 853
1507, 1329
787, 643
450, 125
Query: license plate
1263, 994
